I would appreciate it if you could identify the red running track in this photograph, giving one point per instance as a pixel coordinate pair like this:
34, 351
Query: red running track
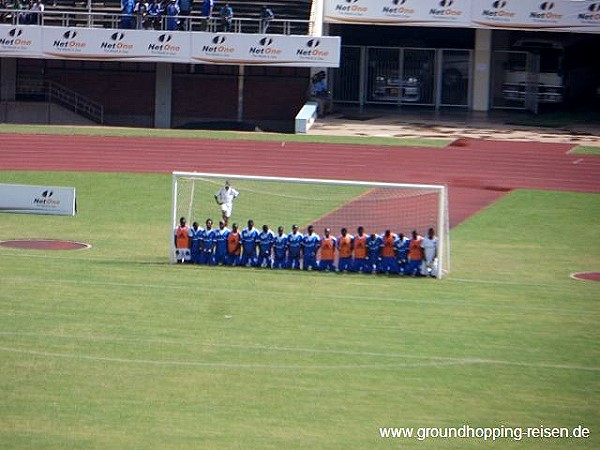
477, 173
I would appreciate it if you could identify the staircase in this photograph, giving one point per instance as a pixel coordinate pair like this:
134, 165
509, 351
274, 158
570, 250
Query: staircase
51, 92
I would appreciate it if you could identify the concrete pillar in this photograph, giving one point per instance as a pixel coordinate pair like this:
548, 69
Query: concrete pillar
483, 70
163, 95
8, 79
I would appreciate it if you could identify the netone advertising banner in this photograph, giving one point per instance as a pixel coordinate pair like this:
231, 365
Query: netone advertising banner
168, 46
551, 15
556, 15
28, 199
400, 12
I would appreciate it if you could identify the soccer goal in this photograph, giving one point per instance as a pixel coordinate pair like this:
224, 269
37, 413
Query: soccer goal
278, 201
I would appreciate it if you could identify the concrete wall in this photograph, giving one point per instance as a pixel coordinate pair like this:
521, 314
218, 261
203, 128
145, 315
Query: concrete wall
40, 113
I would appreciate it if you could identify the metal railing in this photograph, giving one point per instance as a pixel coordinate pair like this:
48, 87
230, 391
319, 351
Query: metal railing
52, 92
113, 20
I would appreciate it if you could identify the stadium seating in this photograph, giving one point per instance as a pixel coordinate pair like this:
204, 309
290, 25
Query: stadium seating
291, 16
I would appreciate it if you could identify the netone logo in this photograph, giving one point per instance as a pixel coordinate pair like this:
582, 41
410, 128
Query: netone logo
351, 6
68, 41
445, 9
164, 45
265, 48
14, 39
498, 10
45, 199
311, 49
398, 8
545, 12
219, 45
116, 42
594, 12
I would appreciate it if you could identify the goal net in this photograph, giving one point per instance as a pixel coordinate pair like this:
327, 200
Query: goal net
334, 204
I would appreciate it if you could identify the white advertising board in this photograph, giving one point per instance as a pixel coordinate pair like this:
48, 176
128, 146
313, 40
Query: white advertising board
538, 15
172, 46
446, 13
27, 199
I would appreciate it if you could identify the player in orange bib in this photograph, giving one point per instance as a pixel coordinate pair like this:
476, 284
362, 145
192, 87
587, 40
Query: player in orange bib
328, 245
182, 242
234, 246
361, 262
415, 255
344, 246
388, 253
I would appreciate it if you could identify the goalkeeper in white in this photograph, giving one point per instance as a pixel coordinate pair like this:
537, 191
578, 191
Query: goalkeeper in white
224, 197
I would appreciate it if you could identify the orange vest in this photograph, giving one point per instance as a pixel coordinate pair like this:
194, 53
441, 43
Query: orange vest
345, 245
388, 250
360, 246
414, 248
327, 248
233, 243
182, 237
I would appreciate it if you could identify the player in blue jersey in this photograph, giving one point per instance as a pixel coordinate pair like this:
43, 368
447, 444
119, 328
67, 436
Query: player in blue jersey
196, 243
266, 239
208, 243
310, 245
280, 245
402, 252
249, 238
294, 248
221, 235
374, 244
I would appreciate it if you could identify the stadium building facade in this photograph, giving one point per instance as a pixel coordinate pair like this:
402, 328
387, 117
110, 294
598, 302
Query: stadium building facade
474, 55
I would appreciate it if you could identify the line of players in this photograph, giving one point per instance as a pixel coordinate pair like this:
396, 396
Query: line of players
373, 253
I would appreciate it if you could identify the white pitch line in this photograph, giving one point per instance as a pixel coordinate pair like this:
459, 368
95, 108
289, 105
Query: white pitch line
225, 365
434, 360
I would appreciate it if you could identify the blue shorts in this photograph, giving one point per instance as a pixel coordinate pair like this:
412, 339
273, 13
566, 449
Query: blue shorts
327, 264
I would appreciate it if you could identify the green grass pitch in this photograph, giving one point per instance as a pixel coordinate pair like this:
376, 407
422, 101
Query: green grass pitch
112, 348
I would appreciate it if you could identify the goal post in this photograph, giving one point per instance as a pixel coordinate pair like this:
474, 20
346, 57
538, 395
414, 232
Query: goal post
377, 206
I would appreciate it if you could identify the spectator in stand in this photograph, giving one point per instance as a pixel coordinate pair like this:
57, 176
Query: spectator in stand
310, 245
196, 242
141, 11
266, 238
345, 243
182, 241
208, 243
226, 18
266, 16
185, 9
374, 244
388, 253
415, 255
280, 245
430, 245
361, 262
233, 246
3, 14
294, 248
127, 7
155, 11
249, 238
34, 16
402, 252
172, 13
328, 246
206, 12
221, 235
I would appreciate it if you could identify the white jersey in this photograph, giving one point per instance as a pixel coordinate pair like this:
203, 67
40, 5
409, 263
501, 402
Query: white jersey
226, 196
430, 247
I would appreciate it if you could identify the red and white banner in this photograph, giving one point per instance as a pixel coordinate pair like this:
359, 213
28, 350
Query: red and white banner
168, 46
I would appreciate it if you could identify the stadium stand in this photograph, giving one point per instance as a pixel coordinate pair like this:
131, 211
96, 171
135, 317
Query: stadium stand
291, 16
